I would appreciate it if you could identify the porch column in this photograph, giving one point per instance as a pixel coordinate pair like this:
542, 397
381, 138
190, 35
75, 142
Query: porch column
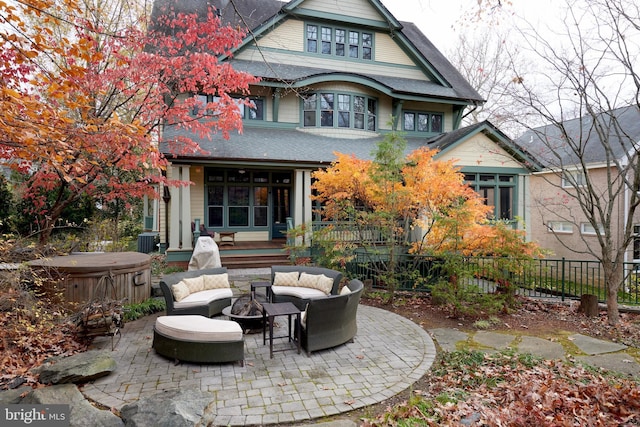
302, 212
180, 222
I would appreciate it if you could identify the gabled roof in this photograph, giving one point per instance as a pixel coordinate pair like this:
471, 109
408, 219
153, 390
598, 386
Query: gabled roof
261, 16
449, 140
550, 147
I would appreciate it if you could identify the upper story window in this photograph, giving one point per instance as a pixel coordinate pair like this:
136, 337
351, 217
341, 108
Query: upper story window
341, 42
422, 122
331, 109
253, 112
573, 179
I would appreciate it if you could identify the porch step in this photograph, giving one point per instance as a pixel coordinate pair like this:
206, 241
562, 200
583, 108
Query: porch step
253, 260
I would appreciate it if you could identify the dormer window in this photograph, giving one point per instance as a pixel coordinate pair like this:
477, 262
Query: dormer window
341, 42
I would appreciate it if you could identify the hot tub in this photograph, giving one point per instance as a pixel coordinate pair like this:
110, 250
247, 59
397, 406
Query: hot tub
88, 275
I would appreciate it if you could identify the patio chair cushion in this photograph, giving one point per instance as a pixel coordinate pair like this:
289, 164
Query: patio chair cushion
204, 297
345, 290
180, 290
286, 279
298, 292
198, 328
215, 281
308, 280
195, 284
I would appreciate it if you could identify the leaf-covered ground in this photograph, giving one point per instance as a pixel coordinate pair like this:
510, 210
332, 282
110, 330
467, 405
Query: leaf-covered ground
506, 389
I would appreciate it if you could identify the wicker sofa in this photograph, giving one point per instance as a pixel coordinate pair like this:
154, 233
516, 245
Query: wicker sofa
207, 302
331, 321
298, 293
329, 312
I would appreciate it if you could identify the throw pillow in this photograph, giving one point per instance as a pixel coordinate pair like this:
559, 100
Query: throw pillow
308, 280
345, 290
285, 279
216, 281
195, 284
325, 284
180, 291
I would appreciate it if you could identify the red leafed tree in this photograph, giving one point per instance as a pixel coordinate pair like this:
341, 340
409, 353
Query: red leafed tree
83, 112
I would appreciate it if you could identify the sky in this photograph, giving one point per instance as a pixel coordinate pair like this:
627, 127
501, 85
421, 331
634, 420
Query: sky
443, 20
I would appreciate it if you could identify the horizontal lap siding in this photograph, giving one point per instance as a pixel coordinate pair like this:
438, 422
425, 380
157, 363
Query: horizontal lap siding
356, 8
481, 151
325, 62
387, 50
290, 35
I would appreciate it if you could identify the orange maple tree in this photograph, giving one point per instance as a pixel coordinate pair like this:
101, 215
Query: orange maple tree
414, 204
82, 114
428, 194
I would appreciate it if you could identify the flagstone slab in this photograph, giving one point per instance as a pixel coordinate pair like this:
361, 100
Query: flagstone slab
540, 347
493, 339
616, 362
448, 338
593, 346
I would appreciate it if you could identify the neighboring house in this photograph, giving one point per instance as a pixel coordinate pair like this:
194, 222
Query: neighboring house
333, 75
557, 221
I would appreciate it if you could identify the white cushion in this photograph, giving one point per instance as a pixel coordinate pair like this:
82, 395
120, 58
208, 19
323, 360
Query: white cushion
285, 279
298, 291
325, 284
180, 291
215, 281
308, 280
194, 284
345, 291
198, 328
204, 297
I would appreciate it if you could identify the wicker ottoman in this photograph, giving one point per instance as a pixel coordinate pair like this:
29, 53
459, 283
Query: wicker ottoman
193, 338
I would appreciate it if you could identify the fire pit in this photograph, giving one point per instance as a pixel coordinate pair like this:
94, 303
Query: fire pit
247, 311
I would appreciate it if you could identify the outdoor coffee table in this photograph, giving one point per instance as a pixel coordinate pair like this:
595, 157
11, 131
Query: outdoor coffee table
270, 312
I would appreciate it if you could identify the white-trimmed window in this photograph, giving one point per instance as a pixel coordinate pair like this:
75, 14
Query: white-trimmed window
254, 112
560, 227
415, 121
588, 229
332, 109
341, 42
573, 178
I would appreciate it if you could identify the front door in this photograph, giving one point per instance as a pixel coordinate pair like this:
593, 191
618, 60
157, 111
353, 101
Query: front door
281, 210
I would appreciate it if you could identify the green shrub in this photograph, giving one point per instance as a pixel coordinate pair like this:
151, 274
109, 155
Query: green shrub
136, 311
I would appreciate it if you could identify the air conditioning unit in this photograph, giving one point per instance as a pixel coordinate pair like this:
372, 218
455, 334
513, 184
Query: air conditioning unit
147, 242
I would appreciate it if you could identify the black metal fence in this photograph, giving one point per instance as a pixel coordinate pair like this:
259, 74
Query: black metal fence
540, 278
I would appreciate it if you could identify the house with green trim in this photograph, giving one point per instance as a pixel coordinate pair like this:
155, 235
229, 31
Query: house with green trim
333, 78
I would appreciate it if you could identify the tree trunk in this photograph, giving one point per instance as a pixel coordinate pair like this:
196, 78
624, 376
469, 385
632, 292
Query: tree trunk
589, 305
614, 276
